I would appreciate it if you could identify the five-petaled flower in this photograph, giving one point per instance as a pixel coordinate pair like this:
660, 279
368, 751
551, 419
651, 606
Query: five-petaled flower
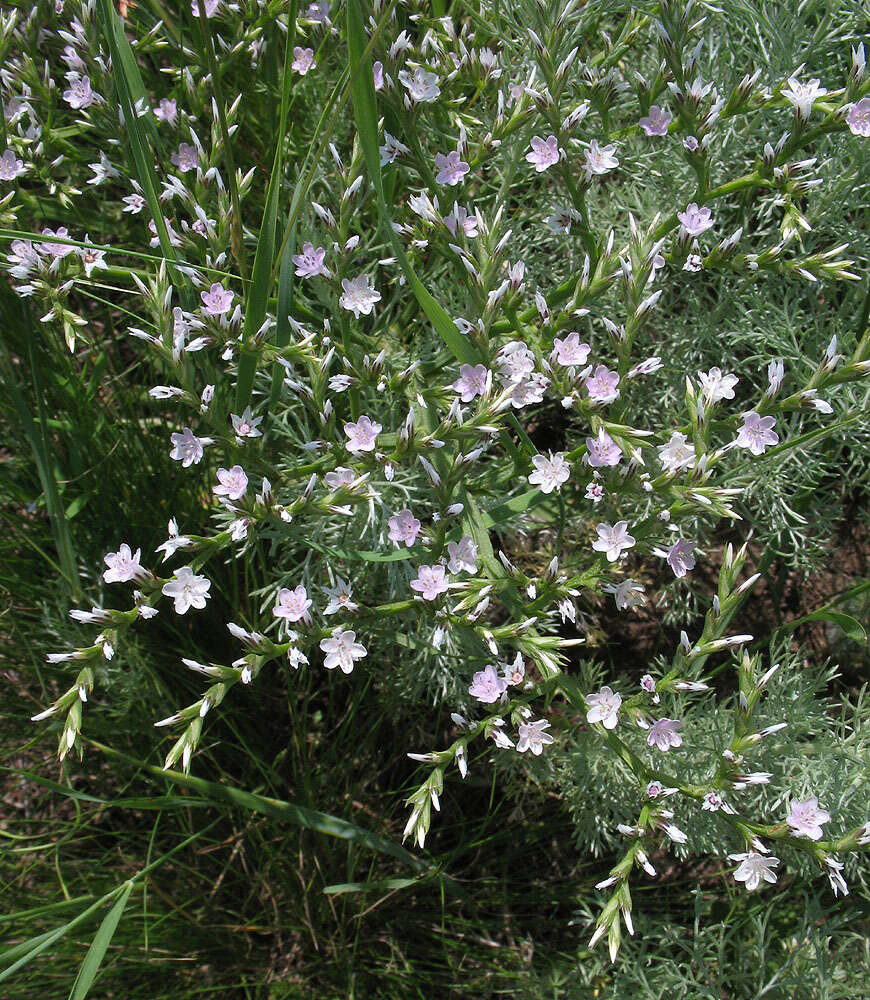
362, 435
533, 736
124, 565
756, 433
657, 121
430, 582
754, 868
604, 707
665, 734
806, 818
544, 152
358, 297
695, 220
487, 685
451, 168
550, 473
217, 300
342, 650
187, 590
404, 528
613, 540
293, 605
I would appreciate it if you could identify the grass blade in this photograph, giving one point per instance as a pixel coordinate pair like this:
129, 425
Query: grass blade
261, 277
130, 89
97, 951
365, 108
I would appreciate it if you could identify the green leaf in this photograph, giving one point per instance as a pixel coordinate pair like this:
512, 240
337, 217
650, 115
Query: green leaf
261, 278
97, 951
130, 89
851, 626
366, 116
387, 884
310, 819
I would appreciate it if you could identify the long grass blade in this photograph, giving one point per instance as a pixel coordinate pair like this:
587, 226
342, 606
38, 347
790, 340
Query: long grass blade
261, 277
99, 946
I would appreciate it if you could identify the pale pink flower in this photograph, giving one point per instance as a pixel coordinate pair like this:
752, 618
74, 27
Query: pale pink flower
319, 12
303, 60
167, 111
362, 435
187, 448
604, 707
754, 868
359, 296
342, 650
570, 352
462, 555
775, 375
550, 473
378, 75
57, 250
713, 802
233, 483
599, 159
421, 85
695, 220
716, 386
309, 263
858, 118
533, 736
514, 673
451, 168
627, 594
680, 557
187, 157
124, 565
80, 94
133, 203
217, 300
340, 597
187, 590
471, 382
515, 361
487, 686
392, 149
246, 425
10, 166
461, 218
293, 605
404, 528
430, 582
664, 734
544, 153
657, 121
806, 818
677, 453
757, 433
613, 540
602, 385
594, 491
209, 7
602, 451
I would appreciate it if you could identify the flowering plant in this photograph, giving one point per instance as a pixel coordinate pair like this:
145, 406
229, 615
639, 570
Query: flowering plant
390, 342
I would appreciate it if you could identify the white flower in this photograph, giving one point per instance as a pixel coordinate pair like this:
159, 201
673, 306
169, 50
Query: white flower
123, 565
359, 297
570, 352
604, 707
342, 650
174, 542
550, 473
10, 166
599, 159
627, 594
753, 868
421, 86
677, 453
613, 539
802, 95
716, 386
533, 736
188, 590
806, 818
462, 555
340, 597
187, 448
